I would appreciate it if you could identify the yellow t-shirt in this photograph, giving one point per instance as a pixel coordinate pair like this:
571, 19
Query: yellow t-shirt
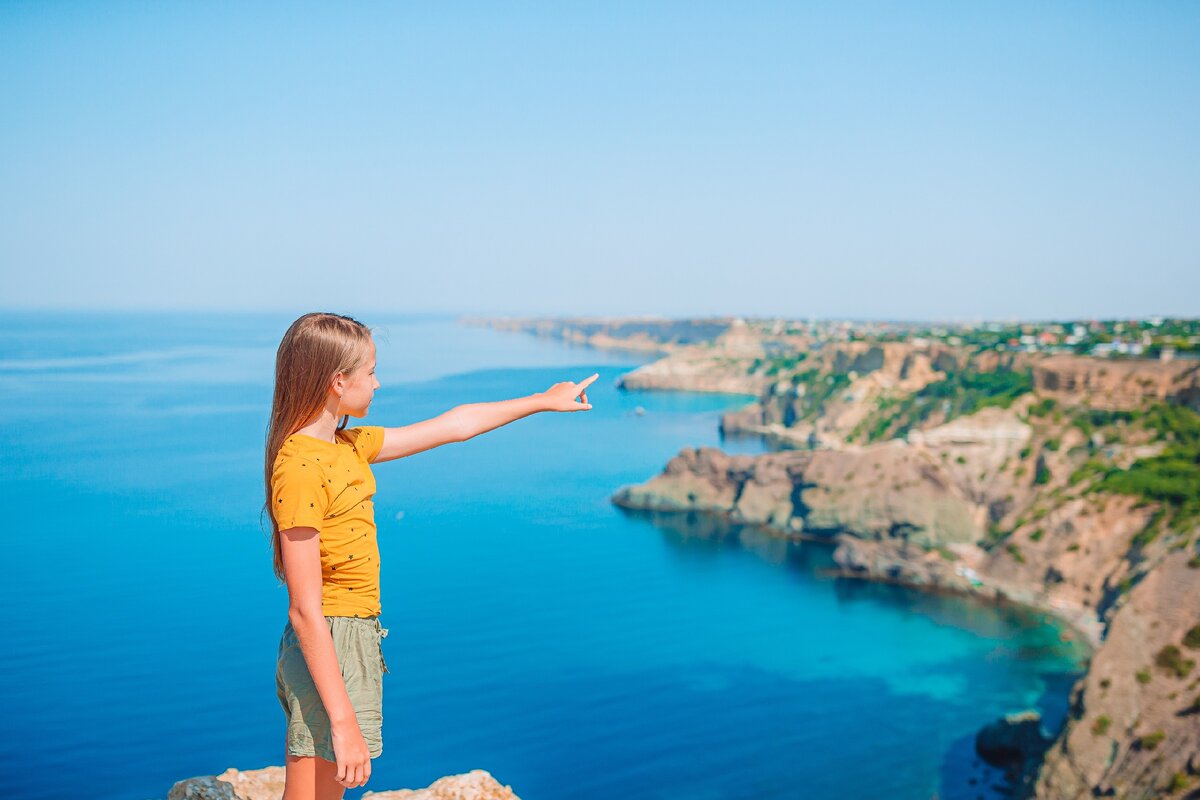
330, 487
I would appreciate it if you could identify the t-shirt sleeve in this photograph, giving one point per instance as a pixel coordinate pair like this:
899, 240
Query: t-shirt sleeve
368, 441
298, 496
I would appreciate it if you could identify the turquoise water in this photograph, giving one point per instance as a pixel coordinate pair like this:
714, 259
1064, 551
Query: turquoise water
536, 631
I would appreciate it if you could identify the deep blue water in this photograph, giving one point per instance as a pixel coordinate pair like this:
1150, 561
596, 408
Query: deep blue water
536, 631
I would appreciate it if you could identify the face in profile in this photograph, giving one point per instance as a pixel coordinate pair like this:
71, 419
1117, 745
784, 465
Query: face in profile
360, 386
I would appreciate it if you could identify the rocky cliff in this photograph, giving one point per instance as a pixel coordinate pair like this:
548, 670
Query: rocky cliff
1009, 504
725, 364
1135, 728
1115, 384
866, 391
267, 784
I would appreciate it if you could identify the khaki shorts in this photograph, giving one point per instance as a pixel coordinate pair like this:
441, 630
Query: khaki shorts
358, 642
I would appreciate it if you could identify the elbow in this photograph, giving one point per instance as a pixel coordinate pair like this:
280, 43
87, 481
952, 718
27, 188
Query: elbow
460, 430
301, 615
451, 427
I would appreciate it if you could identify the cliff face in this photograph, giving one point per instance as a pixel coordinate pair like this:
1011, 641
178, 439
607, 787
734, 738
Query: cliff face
891, 492
834, 389
693, 369
722, 365
1135, 730
843, 393
1113, 384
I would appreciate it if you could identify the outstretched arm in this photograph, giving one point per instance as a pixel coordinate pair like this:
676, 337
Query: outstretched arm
467, 421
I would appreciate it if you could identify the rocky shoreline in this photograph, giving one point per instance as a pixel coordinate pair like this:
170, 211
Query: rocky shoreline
918, 537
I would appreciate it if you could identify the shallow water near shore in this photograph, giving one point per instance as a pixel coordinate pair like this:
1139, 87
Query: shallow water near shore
570, 648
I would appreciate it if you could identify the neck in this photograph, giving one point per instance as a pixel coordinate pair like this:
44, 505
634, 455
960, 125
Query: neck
323, 427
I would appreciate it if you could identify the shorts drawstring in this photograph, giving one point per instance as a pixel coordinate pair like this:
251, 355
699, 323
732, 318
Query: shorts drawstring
382, 635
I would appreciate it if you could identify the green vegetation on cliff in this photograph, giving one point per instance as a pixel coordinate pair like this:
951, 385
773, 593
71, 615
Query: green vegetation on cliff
960, 393
1151, 740
1172, 477
777, 364
1043, 407
818, 387
1192, 638
1178, 782
1171, 659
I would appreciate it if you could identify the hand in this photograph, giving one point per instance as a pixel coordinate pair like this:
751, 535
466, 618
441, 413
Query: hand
353, 758
561, 396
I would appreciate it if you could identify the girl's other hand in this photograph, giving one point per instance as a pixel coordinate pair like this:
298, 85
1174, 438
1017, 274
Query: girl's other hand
353, 758
561, 396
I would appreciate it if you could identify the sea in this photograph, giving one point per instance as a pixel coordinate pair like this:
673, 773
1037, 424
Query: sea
574, 650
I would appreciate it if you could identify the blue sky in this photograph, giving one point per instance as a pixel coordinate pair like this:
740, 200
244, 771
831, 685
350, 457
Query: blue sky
892, 160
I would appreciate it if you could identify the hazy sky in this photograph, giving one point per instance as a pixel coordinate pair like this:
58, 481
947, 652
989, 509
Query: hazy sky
900, 160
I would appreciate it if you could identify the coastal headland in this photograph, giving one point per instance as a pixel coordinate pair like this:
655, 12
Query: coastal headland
1051, 465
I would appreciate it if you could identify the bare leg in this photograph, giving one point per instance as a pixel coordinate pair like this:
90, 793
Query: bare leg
311, 778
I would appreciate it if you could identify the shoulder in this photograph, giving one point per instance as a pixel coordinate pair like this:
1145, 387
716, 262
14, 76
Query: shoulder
289, 463
300, 494
367, 440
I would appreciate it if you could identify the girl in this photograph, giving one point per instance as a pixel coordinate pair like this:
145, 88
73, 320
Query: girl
319, 485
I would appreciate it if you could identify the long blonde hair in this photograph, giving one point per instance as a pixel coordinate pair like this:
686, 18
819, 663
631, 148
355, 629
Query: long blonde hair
315, 348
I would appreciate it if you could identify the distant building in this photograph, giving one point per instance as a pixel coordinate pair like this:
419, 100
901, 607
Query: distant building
1117, 346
